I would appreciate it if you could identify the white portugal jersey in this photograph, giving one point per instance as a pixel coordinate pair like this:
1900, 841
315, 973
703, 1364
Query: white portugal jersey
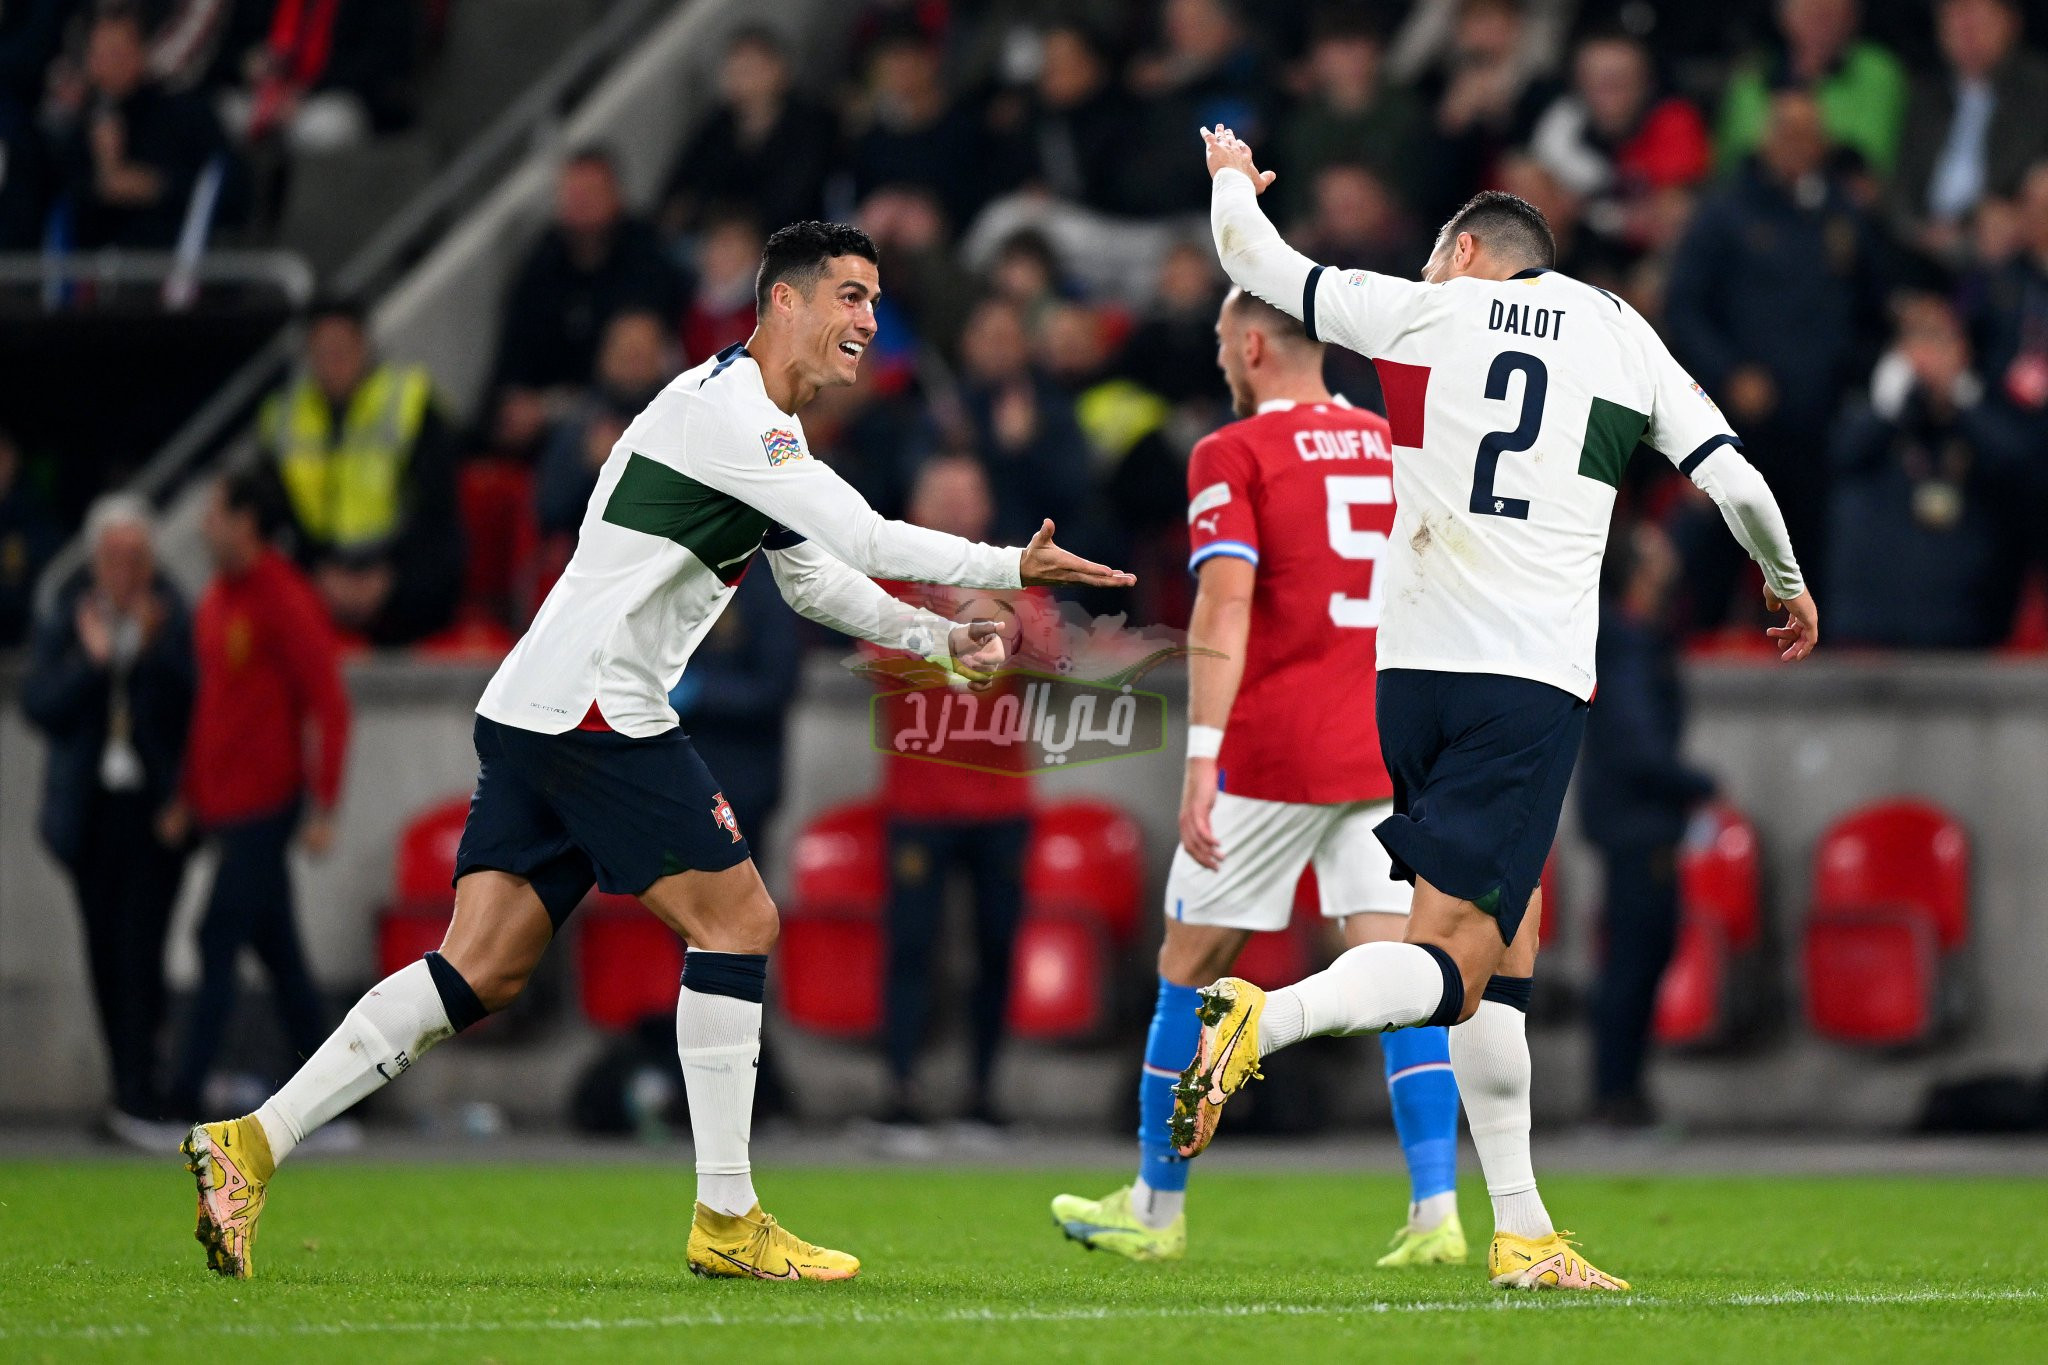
708, 475
1514, 405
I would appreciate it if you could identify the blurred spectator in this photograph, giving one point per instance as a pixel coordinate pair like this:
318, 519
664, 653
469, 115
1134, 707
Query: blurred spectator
326, 75
1774, 292
1621, 149
1929, 499
910, 131
721, 308
870, 435
269, 731
29, 536
1020, 425
1485, 92
132, 154
1082, 127
1859, 86
1354, 221
1970, 131
926, 279
1635, 795
2009, 302
1173, 350
1351, 114
634, 364
1027, 271
942, 818
595, 261
110, 686
734, 700
1206, 70
764, 152
368, 470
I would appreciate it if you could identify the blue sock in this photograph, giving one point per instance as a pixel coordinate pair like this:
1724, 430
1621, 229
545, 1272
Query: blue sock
1175, 1028
1425, 1096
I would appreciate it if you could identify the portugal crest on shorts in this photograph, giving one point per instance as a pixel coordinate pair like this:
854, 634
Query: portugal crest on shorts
721, 811
782, 446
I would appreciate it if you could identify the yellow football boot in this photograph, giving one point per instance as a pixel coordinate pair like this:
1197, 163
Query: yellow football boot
1551, 1262
753, 1245
1226, 1057
1111, 1224
231, 1162
1443, 1244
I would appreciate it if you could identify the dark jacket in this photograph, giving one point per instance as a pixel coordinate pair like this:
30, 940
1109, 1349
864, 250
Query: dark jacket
66, 696
779, 181
2018, 136
173, 135
1924, 541
1758, 278
1634, 790
557, 310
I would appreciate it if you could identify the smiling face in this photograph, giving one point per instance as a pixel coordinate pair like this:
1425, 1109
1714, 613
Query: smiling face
834, 323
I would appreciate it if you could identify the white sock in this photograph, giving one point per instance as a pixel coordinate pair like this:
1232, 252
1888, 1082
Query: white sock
718, 1038
1156, 1208
1371, 988
1490, 1057
400, 1018
1430, 1213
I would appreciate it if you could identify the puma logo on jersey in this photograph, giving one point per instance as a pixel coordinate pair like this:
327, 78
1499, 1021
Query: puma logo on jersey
1207, 525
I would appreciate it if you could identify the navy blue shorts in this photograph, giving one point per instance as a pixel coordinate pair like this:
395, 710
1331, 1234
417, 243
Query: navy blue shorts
569, 810
1480, 763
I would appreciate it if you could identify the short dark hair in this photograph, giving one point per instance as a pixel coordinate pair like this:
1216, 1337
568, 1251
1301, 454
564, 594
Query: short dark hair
255, 492
337, 308
1511, 227
796, 256
1276, 323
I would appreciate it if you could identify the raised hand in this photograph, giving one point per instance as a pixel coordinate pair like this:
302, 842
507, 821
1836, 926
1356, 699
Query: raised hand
1224, 150
1044, 564
1801, 631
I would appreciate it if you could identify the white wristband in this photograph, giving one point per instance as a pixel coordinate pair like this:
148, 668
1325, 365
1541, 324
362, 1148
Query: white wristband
1205, 741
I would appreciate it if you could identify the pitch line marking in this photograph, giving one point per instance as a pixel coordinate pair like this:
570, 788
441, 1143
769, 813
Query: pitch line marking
1524, 1302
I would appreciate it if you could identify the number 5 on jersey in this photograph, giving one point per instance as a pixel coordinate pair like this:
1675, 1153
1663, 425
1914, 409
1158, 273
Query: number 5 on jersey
1346, 491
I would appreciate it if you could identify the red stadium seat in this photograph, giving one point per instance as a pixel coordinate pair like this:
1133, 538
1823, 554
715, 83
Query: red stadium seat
1891, 903
1059, 980
1719, 879
426, 852
1692, 997
828, 975
499, 531
1720, 922
472, 637
1086, 859
840, 863
1553, 913
1285, 956
1872, 977
628, 963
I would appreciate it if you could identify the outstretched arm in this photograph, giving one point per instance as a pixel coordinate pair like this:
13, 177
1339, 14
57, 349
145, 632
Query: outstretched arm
1360, 309
829, 592
1752, 514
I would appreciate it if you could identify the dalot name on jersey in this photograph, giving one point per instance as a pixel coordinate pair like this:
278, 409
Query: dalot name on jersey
1346, 443
1525, 320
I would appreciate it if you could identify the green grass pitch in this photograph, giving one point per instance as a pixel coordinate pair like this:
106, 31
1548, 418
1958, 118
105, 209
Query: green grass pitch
372, 1262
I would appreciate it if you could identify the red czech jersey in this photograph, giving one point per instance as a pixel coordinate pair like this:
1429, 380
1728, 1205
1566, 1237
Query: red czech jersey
1306, 493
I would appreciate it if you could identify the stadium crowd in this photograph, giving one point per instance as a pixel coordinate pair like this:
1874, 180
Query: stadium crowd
1837, 215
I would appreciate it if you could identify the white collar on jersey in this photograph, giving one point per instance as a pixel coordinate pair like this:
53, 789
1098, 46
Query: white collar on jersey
1286, 404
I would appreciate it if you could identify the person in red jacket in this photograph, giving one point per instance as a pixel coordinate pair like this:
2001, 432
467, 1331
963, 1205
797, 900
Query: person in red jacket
264, 762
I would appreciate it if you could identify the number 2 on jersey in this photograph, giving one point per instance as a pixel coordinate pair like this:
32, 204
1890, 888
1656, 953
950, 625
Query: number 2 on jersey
1535, 387
1346, 492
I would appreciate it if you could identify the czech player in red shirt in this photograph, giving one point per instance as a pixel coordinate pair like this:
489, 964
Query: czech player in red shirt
1288, 513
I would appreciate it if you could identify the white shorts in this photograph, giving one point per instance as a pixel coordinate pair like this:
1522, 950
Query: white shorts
1265, 846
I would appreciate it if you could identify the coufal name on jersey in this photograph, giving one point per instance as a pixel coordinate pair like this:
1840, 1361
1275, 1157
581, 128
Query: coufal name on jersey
1525, 320
1345, 443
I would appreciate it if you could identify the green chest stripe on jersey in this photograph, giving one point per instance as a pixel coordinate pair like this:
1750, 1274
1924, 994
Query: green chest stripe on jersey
719, 529
1611, 435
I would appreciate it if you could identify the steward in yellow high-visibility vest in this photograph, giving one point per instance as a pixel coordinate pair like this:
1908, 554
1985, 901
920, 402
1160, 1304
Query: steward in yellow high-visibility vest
365, 465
